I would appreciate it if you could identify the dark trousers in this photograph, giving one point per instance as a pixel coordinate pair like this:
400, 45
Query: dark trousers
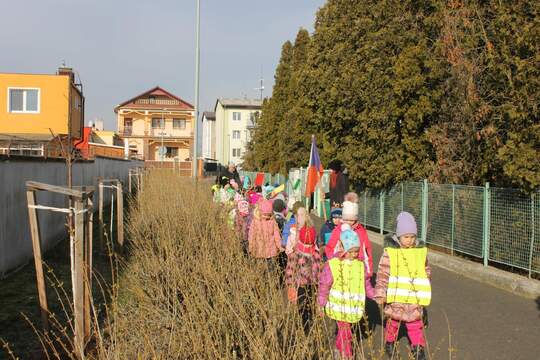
305, 308
282, 262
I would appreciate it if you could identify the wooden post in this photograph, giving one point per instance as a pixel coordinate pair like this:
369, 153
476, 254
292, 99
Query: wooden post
36, 246
120, 215
88, 266
100, 217
78, 279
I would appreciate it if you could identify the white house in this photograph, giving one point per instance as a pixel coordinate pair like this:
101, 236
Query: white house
209, 135
234, 121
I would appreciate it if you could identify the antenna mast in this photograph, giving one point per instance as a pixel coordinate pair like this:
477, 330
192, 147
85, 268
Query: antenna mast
261, 84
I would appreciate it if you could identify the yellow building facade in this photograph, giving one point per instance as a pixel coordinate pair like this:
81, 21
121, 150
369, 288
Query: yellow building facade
36, 104
154, 120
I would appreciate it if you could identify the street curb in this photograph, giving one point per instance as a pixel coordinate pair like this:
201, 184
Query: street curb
501, 279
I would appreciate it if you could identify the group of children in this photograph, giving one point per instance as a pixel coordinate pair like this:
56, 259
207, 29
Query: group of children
335, 265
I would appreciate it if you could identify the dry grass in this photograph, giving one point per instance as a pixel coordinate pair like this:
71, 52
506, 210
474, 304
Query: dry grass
189, 292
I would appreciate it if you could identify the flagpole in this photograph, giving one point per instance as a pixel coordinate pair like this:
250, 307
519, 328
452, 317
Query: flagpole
308, 198
323, 203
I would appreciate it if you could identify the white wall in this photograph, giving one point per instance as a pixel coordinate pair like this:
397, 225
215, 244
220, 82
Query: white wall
241, 126
225, 125
208, 138
15, 240
220, 133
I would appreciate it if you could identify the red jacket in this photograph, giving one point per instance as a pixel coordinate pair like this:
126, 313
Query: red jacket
365, 245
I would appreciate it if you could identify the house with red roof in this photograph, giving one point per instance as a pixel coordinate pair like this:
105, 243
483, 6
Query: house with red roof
159, 126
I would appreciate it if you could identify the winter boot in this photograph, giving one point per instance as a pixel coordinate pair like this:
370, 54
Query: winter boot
389, 349
418, 352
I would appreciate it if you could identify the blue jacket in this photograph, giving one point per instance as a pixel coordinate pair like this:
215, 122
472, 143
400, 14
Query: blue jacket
287, 231
326, 230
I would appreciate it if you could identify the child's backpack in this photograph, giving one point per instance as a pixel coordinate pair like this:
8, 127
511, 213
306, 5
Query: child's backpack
280, 219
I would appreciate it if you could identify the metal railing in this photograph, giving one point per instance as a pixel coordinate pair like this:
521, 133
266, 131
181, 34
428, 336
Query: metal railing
495, 225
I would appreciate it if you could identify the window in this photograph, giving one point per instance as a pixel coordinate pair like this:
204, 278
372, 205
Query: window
158, 123
128, 126
179, 124
171, 152
236, 152
23, 100
253, 116
236, 115
236, 134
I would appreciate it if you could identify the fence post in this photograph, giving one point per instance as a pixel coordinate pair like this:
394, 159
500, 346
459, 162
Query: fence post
120, 215
402, 198
102, 246
453, 218
78, 278
88, 260
36, 246
129, 180
532, 234
365, 208
424, 210
381, 212
486, 217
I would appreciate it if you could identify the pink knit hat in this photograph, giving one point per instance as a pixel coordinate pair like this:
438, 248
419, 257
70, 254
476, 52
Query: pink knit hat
266, 207
254, 198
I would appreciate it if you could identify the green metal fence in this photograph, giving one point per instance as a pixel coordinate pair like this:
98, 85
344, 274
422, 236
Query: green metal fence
497, 225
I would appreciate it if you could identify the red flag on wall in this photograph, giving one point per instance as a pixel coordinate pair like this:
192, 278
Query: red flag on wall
259, 179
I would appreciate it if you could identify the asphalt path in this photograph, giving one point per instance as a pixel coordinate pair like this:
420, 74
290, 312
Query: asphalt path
471, 320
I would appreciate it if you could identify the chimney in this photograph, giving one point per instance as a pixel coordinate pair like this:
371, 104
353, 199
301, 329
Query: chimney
63, 70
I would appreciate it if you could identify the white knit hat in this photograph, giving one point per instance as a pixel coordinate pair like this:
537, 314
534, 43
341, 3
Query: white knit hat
350, 210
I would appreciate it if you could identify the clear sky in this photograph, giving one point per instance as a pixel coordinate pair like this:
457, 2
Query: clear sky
121, 48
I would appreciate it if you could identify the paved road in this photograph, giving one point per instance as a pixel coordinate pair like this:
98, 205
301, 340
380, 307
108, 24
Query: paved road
483, 322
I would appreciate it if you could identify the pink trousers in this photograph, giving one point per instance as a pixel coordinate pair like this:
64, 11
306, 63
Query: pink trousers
344, 339
415, 331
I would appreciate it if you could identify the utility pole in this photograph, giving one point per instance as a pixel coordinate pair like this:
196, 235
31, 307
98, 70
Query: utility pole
196, 115
162, 149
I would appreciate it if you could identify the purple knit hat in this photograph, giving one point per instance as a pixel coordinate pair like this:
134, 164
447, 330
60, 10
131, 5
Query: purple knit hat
406, 224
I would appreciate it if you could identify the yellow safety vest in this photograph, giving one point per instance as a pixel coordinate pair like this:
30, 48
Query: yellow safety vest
408, 282
346, 301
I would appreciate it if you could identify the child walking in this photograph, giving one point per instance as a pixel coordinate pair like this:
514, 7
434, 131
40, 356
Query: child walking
328, 227
242, 223
287, 231
350, 217
343, 288
302, 272
403, 283
264, 239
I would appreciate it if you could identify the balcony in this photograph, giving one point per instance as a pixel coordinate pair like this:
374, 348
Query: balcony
168, 132
128, 131
153, 101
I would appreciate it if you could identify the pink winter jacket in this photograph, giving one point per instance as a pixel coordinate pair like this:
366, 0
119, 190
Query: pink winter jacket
395, 311
330, 248
326, 280
264, 238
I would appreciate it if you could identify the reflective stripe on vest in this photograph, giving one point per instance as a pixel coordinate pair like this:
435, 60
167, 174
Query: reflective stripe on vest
347, 296
408, 282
